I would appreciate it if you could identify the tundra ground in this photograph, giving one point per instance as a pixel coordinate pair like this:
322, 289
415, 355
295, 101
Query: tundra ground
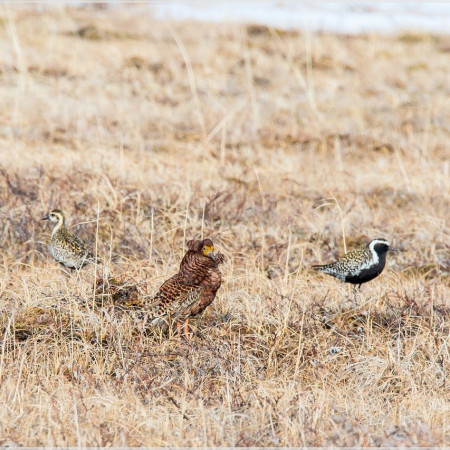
286, 149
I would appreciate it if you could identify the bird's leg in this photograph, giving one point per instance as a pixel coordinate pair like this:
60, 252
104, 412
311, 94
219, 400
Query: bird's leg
186, 333
355, 294
65, 271
186, 329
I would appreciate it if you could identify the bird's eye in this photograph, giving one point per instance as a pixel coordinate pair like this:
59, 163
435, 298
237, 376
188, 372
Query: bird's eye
204, 249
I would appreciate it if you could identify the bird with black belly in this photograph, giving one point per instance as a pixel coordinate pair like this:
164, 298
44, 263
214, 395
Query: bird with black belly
360, 265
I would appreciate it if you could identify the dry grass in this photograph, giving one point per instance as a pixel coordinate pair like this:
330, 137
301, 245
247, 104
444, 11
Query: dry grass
275, 145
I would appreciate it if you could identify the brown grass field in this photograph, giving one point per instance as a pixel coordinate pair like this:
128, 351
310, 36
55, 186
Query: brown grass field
284, 148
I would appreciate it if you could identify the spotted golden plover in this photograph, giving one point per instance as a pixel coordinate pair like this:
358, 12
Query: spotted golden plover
64, 246
360, 265
189, 292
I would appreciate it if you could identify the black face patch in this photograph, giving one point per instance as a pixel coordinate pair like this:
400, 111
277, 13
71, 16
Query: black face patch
381, 248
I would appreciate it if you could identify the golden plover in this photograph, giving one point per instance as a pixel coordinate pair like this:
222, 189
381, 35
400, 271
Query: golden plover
360, 265
192, 289
64, 246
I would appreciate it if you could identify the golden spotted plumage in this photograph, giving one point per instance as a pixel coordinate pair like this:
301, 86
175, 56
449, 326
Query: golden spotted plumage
64, 246
360, 265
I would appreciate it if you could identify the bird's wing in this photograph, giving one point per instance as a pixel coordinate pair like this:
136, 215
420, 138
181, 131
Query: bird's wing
79, 246
173, 298
354, 261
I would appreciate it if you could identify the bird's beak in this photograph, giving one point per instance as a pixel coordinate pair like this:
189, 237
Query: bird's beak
45, 218
392, 249
208, 250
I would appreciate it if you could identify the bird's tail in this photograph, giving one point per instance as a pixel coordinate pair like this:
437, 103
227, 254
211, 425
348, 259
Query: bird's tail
321, 267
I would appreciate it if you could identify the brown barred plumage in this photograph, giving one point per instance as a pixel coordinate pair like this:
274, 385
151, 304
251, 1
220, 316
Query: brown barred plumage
192, 289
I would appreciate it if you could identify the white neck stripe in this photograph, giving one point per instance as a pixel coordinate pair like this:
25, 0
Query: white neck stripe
372, 248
